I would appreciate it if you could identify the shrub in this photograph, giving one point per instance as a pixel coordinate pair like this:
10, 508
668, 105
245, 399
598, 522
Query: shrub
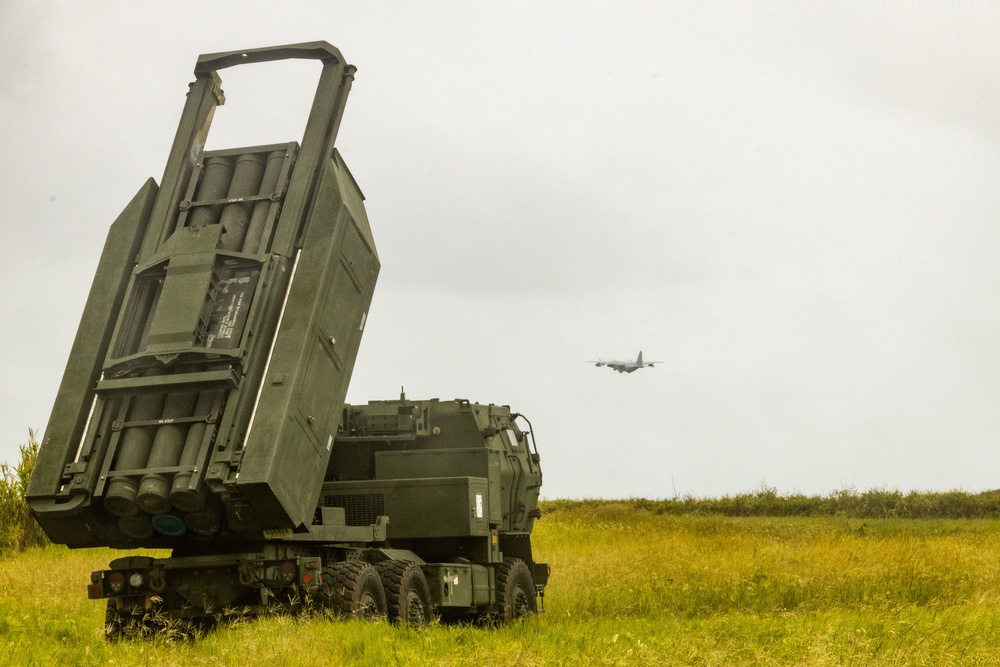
18, 529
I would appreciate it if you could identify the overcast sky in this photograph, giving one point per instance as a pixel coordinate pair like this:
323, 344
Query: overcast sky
793, 206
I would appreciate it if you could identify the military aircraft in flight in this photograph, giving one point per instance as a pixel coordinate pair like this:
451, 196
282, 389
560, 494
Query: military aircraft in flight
625, 366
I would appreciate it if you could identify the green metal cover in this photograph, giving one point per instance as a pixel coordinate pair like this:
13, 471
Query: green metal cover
214, 353
423, 508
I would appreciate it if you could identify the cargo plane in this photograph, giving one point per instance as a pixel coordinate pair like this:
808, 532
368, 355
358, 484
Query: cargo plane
625, 366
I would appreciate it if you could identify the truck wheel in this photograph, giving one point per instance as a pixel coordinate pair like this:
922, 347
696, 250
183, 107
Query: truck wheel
407, 592
116, 622
130, 622
515, 590
353, 588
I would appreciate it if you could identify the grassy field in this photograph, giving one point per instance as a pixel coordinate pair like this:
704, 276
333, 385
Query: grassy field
631, 585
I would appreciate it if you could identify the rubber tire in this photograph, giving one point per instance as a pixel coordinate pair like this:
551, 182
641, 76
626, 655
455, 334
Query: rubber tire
354, 589
515, 591
407, 593
116, 622
131, 622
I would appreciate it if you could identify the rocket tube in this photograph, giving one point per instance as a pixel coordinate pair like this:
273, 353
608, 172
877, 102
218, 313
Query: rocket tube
205, 522
137, 527
133, 451
268, 186
181, 497
235, 217
165, 452
215, 178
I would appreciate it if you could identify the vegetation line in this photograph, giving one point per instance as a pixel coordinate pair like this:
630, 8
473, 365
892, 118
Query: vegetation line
19, 531
849, 503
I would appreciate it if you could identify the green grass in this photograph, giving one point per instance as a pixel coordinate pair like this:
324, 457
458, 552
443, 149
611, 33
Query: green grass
630, 586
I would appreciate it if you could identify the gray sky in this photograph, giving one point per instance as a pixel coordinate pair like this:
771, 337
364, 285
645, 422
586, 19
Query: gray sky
793, 206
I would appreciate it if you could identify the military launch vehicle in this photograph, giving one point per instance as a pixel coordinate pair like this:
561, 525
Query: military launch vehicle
203, 410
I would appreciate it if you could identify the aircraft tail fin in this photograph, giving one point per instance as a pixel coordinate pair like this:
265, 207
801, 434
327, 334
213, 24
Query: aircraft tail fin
638, 359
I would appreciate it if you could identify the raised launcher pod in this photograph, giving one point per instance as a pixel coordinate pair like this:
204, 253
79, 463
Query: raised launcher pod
207, 378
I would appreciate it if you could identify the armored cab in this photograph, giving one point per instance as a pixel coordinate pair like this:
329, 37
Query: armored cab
458, 481
206, 382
